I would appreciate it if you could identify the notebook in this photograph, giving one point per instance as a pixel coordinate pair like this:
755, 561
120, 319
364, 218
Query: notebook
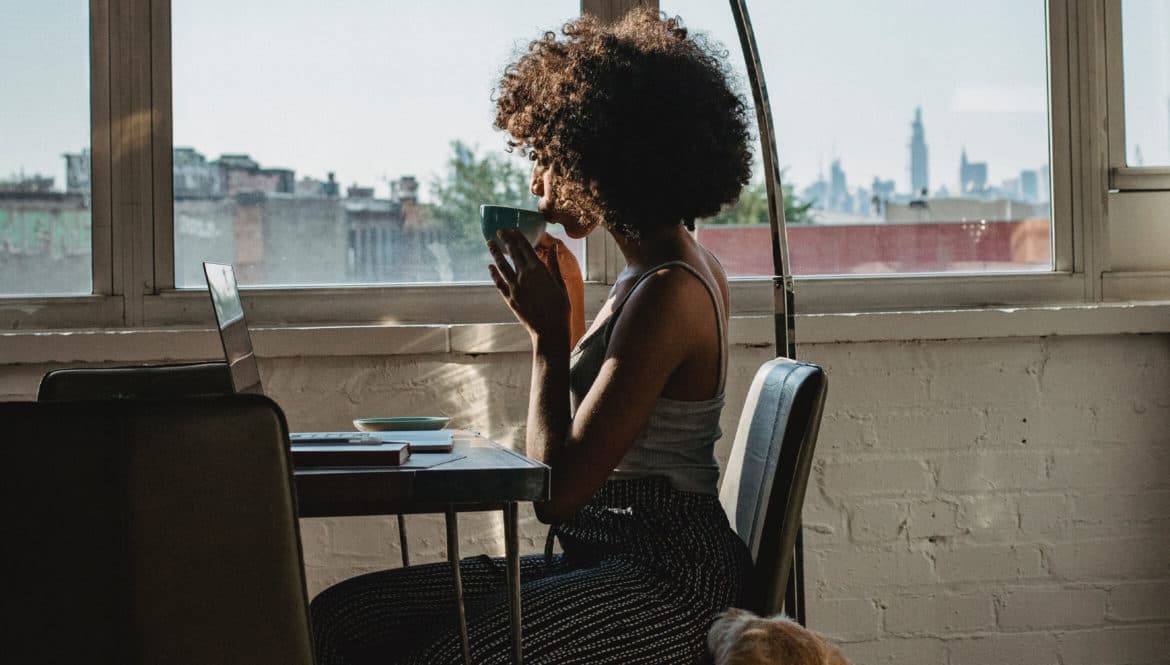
394, 447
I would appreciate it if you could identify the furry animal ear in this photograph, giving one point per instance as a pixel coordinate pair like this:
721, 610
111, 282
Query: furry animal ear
739, 637
725, 632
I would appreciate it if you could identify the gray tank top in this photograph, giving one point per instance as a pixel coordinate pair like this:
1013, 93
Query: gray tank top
679, 440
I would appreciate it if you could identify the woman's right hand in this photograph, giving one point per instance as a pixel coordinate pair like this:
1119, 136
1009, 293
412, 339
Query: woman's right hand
535, 293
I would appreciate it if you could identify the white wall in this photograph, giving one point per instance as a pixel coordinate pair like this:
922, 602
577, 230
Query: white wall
973, 501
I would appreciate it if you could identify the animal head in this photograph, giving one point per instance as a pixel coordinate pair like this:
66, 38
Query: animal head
739, 637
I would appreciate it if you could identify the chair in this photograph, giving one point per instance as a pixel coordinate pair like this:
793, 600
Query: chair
767, 473
123, 550
145, 381
154, 382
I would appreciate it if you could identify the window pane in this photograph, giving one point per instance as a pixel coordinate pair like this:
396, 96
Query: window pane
906, 146
45, 246
344, 143
1145, 45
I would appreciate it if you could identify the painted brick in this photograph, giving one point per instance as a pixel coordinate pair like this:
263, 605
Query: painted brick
991, 471
1140, 601
877, 522
1005, 649
1113, 559
939, 614
1008, 377
1040, 426
933, 518
854, 569
367, 538
930, 429
319, 579
1025, 608
988, 518
896, 651
1117, 507
846, 430
1044, 514
316, 541
1138, 420
874, 476
845, 619
985, 563
823, 523
1116, 646
1112, 467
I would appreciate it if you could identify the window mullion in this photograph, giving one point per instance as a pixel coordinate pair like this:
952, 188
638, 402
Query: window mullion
1089, 162
163, 263
131, 155
100, 211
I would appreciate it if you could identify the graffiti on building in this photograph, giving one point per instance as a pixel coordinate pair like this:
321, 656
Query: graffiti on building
54, 233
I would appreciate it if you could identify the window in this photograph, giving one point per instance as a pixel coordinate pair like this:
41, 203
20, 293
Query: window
913, 138
1145, 37
45, 240
241, 111
347, 143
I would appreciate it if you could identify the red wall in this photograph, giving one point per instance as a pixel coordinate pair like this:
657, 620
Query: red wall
886, 248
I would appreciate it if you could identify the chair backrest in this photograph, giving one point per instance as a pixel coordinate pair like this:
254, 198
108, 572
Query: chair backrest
139, 382
152, 532
767, 473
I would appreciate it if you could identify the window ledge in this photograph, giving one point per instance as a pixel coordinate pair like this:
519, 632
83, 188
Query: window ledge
126, 345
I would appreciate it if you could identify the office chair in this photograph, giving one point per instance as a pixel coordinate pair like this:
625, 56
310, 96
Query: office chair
154, 382
767, 473
131, 551
138, 382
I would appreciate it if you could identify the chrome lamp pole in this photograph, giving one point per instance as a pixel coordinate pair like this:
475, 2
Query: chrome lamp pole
783, 302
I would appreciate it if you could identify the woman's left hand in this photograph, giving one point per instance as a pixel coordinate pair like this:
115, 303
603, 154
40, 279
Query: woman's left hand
536, 294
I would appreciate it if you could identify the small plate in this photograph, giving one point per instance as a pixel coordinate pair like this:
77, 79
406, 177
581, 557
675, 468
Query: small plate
411, 423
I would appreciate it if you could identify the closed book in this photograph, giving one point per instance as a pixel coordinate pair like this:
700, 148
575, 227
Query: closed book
388, 453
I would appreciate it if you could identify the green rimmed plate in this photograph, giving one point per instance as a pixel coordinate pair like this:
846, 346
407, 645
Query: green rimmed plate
404, 424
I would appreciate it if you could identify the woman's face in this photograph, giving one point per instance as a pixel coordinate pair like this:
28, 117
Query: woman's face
543, 186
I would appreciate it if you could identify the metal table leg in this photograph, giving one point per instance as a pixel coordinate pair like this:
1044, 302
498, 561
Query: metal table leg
402, 540
512, 550
453, 558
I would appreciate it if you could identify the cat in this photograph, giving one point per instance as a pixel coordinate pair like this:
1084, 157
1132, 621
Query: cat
739, 637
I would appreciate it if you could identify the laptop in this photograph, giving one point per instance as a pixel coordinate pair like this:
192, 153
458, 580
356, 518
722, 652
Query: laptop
245, 372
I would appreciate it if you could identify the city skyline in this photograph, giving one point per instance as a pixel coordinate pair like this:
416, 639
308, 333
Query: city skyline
335, 102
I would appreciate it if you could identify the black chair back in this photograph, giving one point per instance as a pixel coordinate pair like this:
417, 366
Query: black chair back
767, 473
132, 551
139, 382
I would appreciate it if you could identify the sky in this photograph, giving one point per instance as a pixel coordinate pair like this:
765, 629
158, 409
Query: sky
373, 90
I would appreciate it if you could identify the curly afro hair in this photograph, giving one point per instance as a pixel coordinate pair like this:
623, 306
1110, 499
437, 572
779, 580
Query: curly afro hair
638, 119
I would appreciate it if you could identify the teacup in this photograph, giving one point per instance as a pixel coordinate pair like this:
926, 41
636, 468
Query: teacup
493, 218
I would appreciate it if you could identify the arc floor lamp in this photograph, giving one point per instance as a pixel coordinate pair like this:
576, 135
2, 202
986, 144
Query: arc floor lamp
783, 301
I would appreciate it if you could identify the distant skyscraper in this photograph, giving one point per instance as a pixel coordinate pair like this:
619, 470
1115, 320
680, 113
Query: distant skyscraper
1029, 186
972, 177
919, 170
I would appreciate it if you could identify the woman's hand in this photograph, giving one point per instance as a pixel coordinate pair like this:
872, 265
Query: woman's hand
536, 294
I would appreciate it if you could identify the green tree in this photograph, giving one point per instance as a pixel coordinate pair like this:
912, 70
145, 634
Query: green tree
471, 181
752, 208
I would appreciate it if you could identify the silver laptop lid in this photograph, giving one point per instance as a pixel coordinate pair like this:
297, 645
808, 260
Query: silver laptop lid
233, 330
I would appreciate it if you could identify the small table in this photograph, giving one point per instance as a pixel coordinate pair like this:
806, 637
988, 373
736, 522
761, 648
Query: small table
487, 476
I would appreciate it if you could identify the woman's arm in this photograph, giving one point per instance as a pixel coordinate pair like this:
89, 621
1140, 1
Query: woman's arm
650, 340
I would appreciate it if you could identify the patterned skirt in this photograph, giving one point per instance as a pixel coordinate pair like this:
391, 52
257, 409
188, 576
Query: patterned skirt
645, 570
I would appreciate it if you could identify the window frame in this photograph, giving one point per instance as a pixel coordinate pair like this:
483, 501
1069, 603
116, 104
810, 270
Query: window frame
131, 136
1136, 194
1122, 176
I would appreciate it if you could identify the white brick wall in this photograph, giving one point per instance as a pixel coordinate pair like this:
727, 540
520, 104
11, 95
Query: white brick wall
972, 502
1039, 534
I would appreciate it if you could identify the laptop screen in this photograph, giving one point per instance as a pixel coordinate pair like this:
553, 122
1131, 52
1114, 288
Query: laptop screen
233, 330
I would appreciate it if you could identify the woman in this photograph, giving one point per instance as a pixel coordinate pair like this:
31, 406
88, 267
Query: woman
633, 127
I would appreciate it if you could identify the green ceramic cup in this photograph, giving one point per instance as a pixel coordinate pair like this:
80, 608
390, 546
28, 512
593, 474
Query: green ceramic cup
493, 218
